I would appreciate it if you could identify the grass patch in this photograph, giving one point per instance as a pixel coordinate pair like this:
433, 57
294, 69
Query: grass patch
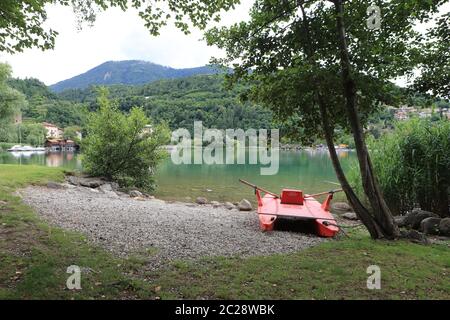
34, 258
333, 270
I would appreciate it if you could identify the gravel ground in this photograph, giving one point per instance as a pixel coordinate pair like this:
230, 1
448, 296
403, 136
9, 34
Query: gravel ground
124, 225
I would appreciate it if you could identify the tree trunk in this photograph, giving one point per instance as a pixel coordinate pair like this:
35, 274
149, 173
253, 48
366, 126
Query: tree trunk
361, 211
382, 214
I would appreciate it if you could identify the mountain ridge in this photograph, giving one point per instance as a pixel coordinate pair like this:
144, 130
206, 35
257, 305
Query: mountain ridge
129, 72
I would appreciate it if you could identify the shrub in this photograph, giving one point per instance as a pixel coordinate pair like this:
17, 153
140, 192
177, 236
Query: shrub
412, 165
118, 148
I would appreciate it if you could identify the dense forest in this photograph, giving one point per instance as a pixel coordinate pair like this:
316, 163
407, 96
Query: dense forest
180, 102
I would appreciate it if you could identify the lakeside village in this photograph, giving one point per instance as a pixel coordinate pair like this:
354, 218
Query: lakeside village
56, 139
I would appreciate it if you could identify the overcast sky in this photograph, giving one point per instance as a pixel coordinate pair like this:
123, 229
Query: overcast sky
116, 35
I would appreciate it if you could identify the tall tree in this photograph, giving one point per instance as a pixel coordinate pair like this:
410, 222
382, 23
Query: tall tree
295, 52
434, 65
11, 100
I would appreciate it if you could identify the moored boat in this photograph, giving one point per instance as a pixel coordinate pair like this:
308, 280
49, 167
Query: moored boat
19, 148
293, 204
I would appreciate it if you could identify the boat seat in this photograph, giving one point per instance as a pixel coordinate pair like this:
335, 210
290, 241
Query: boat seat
292, 196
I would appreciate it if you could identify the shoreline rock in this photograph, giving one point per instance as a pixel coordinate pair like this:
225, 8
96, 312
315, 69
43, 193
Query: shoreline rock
350, 216
444, 227
245, 205
340, 208
430, 225
201, 200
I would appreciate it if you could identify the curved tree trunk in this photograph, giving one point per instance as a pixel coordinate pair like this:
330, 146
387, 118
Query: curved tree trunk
361, 211
382, 214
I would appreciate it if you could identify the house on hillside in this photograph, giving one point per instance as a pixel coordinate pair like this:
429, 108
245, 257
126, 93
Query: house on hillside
148, 129
57, 145
53, 131
404, 113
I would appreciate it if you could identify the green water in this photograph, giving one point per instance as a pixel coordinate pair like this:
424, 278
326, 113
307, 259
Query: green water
306, 170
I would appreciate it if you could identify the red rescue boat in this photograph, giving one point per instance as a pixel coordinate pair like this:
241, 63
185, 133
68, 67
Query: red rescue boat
294, 204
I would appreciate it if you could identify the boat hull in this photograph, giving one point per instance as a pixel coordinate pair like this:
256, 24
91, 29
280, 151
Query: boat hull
271, 208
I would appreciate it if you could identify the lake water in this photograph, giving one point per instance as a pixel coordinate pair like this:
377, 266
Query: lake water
308, 170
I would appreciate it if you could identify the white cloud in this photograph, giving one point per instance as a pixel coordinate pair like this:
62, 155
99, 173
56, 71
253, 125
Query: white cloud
116, 35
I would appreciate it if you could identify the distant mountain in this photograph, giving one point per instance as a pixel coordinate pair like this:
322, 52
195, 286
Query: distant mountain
129, 72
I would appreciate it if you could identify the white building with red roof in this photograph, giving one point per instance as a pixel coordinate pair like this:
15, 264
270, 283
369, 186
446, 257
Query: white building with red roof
53, 131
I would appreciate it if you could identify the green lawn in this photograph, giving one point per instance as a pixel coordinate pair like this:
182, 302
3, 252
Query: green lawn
333, 270
34, 258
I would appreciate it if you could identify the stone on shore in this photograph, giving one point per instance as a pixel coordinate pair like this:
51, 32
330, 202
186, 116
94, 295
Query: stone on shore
414, 236
229, 205
201, 200
215, 204
430, 225
350, 216
399, 221
135, 194
340, 208
73, 180
91, 182
421, 215
444, 227
106, 187
414, 217
54, 185
245, 205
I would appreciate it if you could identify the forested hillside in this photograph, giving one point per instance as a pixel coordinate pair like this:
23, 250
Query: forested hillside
128, 72
43, 105
180, 102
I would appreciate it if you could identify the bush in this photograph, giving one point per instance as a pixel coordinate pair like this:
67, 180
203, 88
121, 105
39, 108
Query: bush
412, 165
6, 145
118, 148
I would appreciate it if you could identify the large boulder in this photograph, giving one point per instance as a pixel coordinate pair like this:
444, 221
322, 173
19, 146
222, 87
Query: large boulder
444, 227
414, 217
245, 205
419, 216
340, 208
201, 200
430, 225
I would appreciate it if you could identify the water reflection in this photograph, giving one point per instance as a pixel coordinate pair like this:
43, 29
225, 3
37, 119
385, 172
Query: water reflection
68, 160
305, 169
